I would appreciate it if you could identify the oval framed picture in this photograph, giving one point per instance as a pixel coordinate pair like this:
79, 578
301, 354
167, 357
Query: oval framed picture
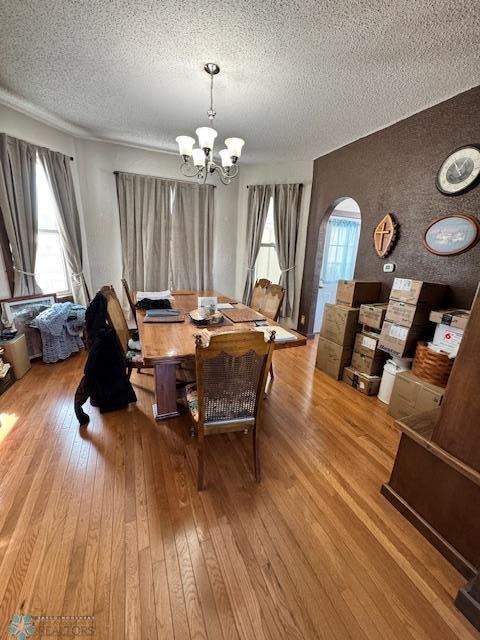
452, 234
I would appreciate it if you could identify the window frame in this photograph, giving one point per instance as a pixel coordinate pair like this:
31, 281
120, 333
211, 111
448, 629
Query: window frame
268, 245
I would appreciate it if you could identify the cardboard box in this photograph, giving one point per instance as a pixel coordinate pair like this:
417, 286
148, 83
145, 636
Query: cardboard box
16, 353
369, 385
412, 395
447, 338
340, 324
400, 341
372, 315
367, 357
353, 293
417, 291
456, 318
405, 314
332, 358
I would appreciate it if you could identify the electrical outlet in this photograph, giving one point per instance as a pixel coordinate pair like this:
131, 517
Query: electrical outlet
302, 319
389, 267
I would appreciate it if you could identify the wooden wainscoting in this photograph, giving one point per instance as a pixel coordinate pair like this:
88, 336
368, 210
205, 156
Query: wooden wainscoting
111, 525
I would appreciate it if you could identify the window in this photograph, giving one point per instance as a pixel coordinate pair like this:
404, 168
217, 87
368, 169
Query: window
267, 262
50, 266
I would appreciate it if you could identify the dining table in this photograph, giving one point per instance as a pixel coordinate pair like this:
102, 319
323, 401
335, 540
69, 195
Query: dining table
166, 345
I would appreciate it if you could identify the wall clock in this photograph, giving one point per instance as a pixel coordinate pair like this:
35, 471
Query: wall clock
385, 235
460, 171
452, 234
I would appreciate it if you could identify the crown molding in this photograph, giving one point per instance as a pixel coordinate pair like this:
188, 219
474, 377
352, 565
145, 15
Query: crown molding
9, 99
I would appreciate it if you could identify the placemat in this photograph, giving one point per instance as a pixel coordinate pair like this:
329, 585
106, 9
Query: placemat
160, 319
244, 314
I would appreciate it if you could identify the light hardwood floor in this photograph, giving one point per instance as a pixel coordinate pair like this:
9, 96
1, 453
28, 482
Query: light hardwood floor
111, 524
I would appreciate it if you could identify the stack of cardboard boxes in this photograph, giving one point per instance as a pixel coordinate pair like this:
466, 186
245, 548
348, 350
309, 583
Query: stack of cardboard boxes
406, 322
406, 319
340, 324
411, 393
367, 359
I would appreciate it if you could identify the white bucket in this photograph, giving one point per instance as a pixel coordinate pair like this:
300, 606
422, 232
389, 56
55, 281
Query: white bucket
390, 370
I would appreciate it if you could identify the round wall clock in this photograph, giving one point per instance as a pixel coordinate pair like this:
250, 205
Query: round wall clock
460, 171
451, 235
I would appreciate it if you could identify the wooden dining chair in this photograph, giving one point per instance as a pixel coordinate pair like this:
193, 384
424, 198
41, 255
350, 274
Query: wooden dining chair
231, 374
128, 293
271, 306
258, 293
272, 301
117, 320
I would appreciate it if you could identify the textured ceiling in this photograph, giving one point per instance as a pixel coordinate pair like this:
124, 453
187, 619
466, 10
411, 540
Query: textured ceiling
299, 78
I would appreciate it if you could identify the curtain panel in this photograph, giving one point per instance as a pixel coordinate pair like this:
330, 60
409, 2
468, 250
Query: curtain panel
257, 209
18, 207
341, 244
192, 236
58, 172
287, 201
144, 204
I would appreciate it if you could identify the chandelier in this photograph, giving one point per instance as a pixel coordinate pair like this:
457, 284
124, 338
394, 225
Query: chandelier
199, 163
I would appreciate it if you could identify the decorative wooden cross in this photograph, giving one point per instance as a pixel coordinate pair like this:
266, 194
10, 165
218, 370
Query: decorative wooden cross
384, 235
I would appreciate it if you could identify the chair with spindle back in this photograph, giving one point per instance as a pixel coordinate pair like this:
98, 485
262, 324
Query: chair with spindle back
271, 305
117, 320
231, 374
258, 293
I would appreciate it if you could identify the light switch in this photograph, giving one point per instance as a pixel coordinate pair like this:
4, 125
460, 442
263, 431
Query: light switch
389, 267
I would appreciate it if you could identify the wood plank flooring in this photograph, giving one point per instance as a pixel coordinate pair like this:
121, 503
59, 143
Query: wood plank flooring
110, 525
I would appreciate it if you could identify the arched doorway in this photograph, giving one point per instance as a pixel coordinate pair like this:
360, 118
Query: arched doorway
340, 246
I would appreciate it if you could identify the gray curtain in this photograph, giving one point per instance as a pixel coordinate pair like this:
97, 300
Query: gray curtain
57, 169
257, 209
287, 200
192, 236
144, 204
18, 206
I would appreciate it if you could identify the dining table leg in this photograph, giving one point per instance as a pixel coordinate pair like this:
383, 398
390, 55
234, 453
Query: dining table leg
165, 391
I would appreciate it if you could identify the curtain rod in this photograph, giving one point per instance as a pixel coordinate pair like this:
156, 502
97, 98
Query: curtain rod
143, 175
37, 146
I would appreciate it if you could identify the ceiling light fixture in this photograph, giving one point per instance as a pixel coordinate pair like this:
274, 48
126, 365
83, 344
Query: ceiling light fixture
199, 163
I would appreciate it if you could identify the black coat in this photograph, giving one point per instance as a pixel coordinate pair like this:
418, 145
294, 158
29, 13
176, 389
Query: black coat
106, 378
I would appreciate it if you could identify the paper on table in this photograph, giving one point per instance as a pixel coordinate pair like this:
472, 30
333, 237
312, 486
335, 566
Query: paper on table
155, 295
224, 305
281, 334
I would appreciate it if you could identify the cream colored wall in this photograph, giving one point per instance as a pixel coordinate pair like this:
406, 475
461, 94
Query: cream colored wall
271, 174
21, 126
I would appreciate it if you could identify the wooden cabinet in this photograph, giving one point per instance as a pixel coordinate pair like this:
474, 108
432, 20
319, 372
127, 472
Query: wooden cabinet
435, 481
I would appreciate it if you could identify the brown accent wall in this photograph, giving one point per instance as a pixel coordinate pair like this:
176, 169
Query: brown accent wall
394, 171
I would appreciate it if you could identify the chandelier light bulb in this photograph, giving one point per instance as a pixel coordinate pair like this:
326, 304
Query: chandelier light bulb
234, 146
198, 156
206, 137
225, 157
185, 145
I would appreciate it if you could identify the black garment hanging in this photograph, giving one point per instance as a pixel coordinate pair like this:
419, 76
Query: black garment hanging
105, 379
